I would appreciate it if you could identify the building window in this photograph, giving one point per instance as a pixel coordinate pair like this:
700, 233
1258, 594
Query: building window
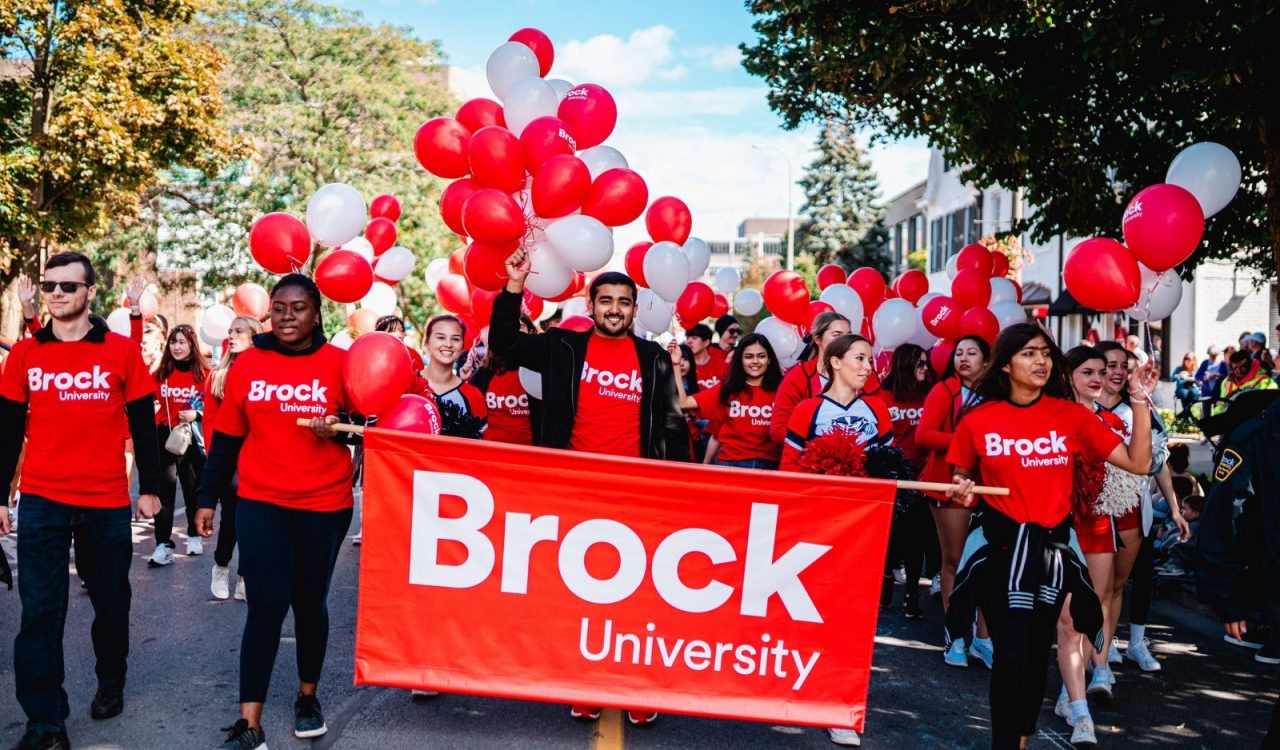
937, 253
911, 235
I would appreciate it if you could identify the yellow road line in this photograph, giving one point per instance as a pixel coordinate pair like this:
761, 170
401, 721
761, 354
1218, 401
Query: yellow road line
608, 734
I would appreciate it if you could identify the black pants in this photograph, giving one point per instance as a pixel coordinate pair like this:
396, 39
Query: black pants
909, 541
104, 549
1144, 580
175, 470
287, 558
227, 526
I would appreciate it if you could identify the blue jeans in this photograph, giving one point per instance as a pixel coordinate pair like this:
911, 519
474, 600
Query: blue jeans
750, 463
104, 549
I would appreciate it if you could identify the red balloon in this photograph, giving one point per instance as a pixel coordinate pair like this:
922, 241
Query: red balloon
381, 233
533, 305
385, 206
544, 138
911, 285
1102, 274
831, 274
451, 201
940, 356
441, 147
942, 317
453, 294
617, 197
590, 112
412, 413
721, 306
787, 297
560, 187
999, 265
540, 43
362, 321
975, 257
344, 276
980, 322
279, 242
816, 308
669, 219
1162, 226
869, 285
633, 262
491, 217
481, 113
482, 307
971, 287
577, 323
457, 260
696, 302
485, 266
376, 372
496, 159
251, 301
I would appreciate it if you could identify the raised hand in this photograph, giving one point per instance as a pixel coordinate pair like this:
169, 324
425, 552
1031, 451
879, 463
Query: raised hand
518, 266
134, 291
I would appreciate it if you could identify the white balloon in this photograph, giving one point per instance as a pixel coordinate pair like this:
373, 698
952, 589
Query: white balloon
395, 264
215, 322
527, 100
1209, 171
531, 382
783, 337
600, 159
510, 62
362, 246
1008, 312
1002, 290
548, 275
336, 214
699, 255
728, 280
381, 299
548, 309
748, 302
893, 323
118, 321
666, 268
921, 336
1159, 295
582, 242
653, 312
560, 86
437, 269
951, 266
846, 301
574, 307
206, 338
342, 340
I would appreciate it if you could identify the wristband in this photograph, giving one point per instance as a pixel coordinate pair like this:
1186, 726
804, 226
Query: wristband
135, 310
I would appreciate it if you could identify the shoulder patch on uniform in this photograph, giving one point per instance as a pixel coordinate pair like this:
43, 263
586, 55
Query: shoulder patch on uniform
1227, 465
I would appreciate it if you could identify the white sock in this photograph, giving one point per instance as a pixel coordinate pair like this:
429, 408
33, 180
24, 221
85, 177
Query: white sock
1079, 709
1136, 633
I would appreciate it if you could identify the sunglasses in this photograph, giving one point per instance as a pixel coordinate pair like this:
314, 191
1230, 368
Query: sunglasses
922, 365
68, 287
733, 332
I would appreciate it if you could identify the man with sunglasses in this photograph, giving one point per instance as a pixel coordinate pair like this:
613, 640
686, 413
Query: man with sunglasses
77, 391
728, 330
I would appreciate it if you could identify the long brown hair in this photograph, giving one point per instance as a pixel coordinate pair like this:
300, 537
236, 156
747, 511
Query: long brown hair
199, 365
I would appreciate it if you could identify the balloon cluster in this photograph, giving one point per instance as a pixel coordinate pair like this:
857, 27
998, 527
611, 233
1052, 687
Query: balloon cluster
1162, 225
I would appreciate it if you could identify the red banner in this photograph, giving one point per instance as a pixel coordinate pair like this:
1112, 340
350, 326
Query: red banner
548, 575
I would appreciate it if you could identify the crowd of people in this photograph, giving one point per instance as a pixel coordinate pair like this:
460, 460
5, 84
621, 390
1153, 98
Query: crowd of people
1097, 496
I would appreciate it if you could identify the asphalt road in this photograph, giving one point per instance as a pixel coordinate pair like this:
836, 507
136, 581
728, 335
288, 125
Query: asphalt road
183, 678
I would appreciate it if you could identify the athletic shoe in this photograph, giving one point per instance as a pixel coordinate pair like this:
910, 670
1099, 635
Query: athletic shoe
195, 546
911, 608
982, 650
1063, 709
1249, 641
584, 713
935, 586
955, 655
1100, 683
1113, 655
1140, 653
357, 538
845, 737
1082, 735
221, 583
38, 739
161, 557
1270, 653
641, 718
421, 695
242, 737
108, 701
240, 590
308, 722
900, 575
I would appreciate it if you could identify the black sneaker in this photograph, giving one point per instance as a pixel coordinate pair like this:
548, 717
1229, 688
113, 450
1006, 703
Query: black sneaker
1269, 653
308, 722
108, 701
39, 739
243, 737
911, 608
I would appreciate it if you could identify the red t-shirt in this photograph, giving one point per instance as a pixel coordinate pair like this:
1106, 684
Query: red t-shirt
1031, 450
743, 425
76, 392
905, 416
210, 416
281, 462
508, 406
713, 373
173, 395
608, 416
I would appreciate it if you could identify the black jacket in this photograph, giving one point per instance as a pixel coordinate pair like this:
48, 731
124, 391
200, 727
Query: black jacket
559, 355
1239, 535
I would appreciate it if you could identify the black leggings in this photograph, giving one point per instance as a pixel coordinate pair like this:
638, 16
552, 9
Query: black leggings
287, 558
227, 528
910, 539
175, 470
1144, 580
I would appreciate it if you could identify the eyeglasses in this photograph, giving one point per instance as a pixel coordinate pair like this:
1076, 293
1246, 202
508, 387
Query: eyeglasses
733, 332
68, 287
922, 365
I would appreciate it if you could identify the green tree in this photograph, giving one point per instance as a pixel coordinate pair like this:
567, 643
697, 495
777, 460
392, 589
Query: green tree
841, 190
1080, 104
96, 98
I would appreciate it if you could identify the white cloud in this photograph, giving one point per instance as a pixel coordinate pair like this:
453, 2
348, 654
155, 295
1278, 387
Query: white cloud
677, 105
727, 58
612, 61
899, 166
469, 83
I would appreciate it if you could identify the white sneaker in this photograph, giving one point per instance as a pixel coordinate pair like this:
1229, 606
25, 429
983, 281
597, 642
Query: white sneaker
935, 587
162, 556
845, 737
1082, 735
195, 545
1100, 683
357, 538
422, 694
955, 655
240, 590
221, 584
1063, 709
1140, 653
982, 650
1113, 655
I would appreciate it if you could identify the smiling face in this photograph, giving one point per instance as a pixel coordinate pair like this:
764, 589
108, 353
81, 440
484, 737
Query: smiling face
1086, 380
445, 342
67, 305
1031, 365
854, 367
755, 360
293, 317
179, 346
612, 309
1117, 371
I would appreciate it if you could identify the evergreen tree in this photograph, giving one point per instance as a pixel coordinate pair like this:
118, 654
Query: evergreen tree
841, 189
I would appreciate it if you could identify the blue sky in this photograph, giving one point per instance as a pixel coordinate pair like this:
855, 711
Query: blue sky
688, 113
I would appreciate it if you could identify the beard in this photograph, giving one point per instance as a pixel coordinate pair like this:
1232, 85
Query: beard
608, 328
71, 311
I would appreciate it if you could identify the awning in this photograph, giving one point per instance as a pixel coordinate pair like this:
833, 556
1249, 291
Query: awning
1066, 305
1035, 294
